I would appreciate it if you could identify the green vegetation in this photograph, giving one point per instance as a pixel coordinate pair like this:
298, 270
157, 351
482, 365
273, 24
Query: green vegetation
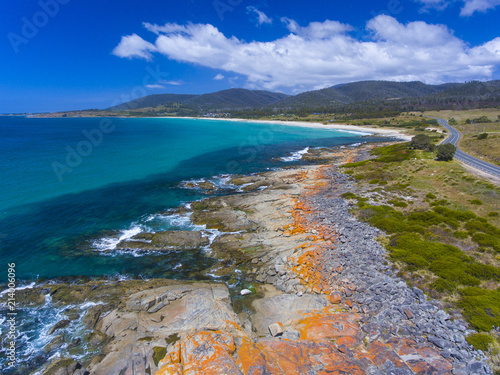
448, 247
480, 341
446, 152
159, 352
421, 142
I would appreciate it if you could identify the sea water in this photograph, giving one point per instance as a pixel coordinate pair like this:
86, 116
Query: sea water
72, 188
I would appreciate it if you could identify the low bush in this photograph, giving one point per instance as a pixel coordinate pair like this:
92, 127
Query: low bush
443, 286
480, 341
481, 307
348, 195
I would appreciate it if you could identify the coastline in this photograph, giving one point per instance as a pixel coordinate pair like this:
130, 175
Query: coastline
315, 276
353, 128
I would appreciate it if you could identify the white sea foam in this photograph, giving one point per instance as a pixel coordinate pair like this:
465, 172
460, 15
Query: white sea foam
109, 243
295, 155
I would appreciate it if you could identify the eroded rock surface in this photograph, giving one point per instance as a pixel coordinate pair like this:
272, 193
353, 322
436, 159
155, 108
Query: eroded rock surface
326, 301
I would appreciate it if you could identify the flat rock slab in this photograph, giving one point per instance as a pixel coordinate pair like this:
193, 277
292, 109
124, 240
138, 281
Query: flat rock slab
167, 240
284, 308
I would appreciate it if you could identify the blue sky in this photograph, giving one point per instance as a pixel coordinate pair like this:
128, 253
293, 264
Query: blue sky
75, 54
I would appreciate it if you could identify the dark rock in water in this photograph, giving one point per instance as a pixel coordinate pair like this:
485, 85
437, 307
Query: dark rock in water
256, 185
244, 180
54, 344
59, 325
28, 297
207, 185
167, 240
63, 366
226, 220
183, 240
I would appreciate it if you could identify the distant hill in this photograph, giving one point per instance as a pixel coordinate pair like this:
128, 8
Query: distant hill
217, 101
152, 101
362, 99
363, 91
474, 89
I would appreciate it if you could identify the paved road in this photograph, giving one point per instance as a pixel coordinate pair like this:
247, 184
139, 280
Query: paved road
462, 156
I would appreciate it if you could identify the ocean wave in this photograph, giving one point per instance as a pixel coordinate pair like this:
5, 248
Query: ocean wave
220, 182
295, 155
357, 132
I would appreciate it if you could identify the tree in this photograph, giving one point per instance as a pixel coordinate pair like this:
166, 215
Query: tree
420, 142
446, 152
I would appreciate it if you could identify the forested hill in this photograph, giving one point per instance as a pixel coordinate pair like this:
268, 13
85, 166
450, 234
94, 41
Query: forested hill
365, 98
217, 101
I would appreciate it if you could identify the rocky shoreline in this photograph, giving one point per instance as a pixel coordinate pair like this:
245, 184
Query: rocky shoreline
319, 294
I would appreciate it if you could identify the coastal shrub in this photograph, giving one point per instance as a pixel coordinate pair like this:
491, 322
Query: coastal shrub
415, 228
445, 152
482, 136
425, 218
487, 240
481, 307
460, 234
420, 142
441, 202
397, 203
348, 195
493, 214
394, 153
476, 202
458, 215
159, 352
415, 262
484, 271
356, 164
481, 225
390, 224
480, 341
443, 286
430, 196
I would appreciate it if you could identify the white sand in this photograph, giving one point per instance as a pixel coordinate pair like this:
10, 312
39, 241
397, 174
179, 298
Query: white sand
354, 128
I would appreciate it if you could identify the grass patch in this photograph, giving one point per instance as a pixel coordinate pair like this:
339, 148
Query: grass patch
480, 341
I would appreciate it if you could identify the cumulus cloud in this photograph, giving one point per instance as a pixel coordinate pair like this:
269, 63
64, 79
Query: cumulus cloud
219, 77
261, 16
131, 46
468, 9
472, 6
322, 54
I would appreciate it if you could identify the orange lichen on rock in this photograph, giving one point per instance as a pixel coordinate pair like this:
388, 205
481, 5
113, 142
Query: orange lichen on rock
208, 352
327, 326
170, 369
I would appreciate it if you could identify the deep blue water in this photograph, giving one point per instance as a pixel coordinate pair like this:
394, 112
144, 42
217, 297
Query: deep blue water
65, 195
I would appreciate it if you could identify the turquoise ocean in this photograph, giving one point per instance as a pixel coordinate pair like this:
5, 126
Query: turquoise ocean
71, 188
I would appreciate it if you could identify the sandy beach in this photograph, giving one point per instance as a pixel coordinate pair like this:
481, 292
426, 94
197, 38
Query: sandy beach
350, 128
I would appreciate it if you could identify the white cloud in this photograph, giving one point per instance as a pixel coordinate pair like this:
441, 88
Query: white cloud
261, 16
468, 9
472, 6
153, 87
173, 83
131, 46
219, 77
322, 54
